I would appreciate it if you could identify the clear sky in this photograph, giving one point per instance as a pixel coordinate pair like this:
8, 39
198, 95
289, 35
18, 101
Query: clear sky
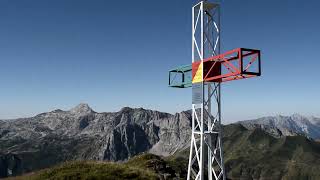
110, 54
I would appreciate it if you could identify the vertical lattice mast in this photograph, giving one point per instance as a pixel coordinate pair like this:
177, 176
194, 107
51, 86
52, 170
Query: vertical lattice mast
206, 155
208, 70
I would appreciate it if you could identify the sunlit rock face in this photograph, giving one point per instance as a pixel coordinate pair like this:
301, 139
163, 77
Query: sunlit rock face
81, 133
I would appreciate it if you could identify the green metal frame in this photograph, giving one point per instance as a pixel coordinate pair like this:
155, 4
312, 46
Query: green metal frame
183, 82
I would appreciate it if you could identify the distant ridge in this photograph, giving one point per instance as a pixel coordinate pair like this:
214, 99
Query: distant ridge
287, 125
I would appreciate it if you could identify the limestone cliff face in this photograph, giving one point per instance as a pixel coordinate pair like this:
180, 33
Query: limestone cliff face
81, 133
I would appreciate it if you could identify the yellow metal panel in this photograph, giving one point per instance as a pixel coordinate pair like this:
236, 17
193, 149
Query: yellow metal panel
198, 76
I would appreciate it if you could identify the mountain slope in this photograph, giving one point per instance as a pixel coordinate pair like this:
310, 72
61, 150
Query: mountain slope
256, 155
80, 133
48, 139
287, 125
249, 155
145, 166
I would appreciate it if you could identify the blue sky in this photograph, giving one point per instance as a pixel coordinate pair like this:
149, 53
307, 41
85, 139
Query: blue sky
110, 54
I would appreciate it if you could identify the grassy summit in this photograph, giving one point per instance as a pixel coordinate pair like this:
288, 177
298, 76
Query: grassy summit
146, 166
91, 170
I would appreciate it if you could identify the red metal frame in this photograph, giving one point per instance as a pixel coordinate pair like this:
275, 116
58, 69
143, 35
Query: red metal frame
213, 66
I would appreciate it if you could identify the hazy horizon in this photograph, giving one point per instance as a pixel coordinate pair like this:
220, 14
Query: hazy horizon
224, 121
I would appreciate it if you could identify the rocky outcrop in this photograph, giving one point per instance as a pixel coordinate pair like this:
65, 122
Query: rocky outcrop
81, 133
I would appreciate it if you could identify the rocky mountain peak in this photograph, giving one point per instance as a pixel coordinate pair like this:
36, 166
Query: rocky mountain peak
126, 109
57, 111
297, 116
81, 109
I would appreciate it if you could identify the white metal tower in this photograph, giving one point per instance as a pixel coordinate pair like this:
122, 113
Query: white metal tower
208, 70
206, 153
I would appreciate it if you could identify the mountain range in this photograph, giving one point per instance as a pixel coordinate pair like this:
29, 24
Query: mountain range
287, 125
33, 143
253, 148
